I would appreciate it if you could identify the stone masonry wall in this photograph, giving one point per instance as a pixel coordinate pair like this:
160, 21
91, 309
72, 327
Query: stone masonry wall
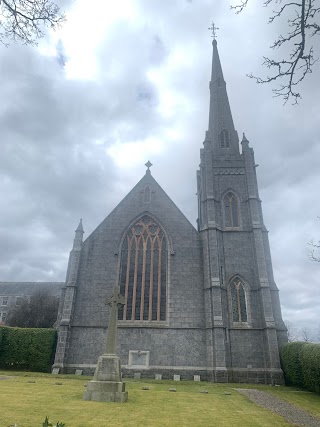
98, 273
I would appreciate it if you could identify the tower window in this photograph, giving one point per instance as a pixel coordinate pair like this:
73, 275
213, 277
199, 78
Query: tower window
143, 272
239, 306
231, 208
224, 139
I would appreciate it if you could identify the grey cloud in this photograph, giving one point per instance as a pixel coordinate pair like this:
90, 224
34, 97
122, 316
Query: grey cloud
54, 133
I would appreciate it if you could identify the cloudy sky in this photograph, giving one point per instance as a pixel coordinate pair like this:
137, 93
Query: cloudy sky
81, 114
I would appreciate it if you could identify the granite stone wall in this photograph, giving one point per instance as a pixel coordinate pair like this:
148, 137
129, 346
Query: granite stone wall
179, 340
198, 336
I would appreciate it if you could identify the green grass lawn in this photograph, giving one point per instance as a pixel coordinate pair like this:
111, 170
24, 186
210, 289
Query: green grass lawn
26, 403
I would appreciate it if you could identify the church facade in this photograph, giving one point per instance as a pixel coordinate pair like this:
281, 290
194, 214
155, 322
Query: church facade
197, 301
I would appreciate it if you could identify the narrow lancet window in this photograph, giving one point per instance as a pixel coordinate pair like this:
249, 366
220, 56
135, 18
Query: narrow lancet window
231, 211
239, 306
147, 195
143, 272
224, 139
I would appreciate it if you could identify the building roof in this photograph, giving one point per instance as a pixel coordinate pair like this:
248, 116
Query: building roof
28, 288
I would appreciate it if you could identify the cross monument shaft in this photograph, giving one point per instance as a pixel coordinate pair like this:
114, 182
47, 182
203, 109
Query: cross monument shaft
114, 302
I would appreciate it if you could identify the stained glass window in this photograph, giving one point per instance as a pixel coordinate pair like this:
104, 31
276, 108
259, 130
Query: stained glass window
231, 211
143, 272
224, 139
239, 306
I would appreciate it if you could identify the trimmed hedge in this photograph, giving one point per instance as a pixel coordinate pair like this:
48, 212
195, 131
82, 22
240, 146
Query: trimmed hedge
26, 348
301, 365
291, 365
310, 362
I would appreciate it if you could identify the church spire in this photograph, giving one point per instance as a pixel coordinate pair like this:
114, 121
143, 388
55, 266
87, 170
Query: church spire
221, 130
78, 236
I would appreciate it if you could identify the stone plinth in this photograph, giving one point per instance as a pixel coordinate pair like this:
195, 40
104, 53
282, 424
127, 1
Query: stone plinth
106, 385
106, 391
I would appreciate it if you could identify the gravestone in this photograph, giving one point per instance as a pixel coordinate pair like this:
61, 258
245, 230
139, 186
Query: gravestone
106, 385
55, 370
176, 378
196, 378
78, 372
158, 376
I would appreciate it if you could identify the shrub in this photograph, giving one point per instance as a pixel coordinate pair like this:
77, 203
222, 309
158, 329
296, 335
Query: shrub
26, 348
291, 364
310, 362
47, 423
301, 365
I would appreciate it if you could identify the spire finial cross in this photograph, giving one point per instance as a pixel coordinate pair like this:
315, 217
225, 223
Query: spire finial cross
148, 164
213, 30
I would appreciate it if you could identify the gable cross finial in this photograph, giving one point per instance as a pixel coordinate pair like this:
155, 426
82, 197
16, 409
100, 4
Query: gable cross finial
213, 30
148, 164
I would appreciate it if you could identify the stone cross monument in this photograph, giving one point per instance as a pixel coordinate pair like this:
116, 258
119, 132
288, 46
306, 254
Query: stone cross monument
106, 385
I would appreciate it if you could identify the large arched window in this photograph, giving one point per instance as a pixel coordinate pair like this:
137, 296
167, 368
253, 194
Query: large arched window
239, 305
224, 139
231, 210
143, 272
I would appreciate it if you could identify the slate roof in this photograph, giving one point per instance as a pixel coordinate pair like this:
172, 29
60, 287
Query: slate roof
28, 288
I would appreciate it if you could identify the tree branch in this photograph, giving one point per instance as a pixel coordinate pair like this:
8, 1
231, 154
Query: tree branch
23, 20
293, 68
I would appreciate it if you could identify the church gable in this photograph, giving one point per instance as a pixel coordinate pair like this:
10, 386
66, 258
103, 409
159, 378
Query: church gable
147, 196
156, 271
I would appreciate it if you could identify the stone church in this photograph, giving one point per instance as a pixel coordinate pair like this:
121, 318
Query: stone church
199, 302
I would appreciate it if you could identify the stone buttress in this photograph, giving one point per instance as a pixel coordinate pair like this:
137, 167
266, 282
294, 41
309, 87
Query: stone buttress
68, 296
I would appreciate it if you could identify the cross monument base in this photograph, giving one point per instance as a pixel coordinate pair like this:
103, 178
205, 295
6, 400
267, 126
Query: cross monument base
106, 385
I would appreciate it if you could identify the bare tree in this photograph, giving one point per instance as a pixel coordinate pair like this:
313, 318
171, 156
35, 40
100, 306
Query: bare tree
314, 254
24, 20
306, 335
291, 331
303, 23
40, 312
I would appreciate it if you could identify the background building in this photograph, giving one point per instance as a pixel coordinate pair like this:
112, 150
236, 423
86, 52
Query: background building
12, 293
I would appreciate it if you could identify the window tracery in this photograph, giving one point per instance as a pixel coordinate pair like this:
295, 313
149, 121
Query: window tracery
231, 210
239, 305
143, 272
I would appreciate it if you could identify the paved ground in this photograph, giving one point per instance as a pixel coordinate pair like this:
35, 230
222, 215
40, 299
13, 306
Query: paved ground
291, 413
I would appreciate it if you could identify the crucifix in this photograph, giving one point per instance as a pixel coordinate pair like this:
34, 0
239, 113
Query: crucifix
213, 29
115, 301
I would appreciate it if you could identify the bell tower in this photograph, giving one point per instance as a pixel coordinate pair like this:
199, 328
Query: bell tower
244, 327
